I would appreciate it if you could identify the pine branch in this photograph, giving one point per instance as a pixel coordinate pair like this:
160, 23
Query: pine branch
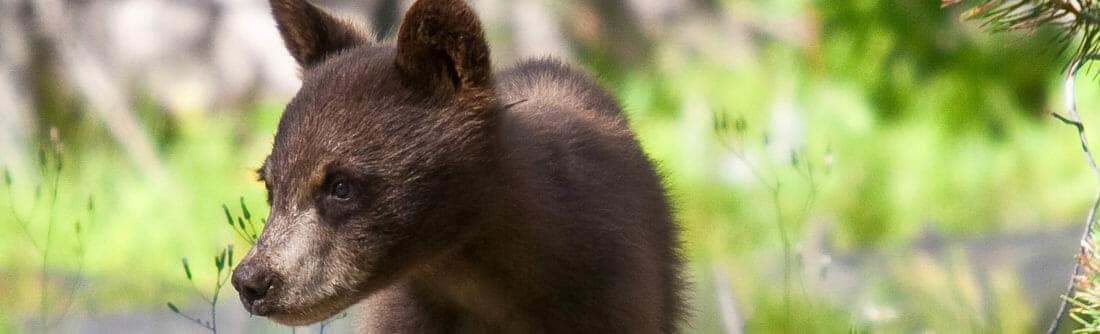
1074, 119
1069, 18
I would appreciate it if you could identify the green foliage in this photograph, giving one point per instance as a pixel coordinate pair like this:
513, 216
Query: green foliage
1085, 311
38, 225
223, 265
808, 317
187, 268
1084, 302
901, 52
210, 161
223, 271
247, 230
245, 227
926, 126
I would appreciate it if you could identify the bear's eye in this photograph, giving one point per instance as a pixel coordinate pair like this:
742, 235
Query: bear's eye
341, 196
340, 189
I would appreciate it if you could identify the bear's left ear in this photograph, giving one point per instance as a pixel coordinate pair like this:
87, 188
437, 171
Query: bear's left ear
441, 44
311, 34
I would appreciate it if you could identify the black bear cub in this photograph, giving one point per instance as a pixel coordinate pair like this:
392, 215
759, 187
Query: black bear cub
410, 179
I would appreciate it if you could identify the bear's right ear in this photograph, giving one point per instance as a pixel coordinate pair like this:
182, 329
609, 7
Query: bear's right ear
441, 43
310, 33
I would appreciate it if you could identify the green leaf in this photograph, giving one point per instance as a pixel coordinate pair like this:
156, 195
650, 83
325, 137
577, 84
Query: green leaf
240, 222
7, 176
244, 209
219, 261
173, 307
187, 268
229, 250
228, 216
91, 203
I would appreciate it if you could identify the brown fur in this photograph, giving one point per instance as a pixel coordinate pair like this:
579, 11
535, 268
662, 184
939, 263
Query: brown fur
446, 199
311, 33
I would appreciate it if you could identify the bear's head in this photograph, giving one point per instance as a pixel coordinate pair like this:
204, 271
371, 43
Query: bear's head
372, 167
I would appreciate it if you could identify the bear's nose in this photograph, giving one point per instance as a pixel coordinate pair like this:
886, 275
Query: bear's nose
253, 283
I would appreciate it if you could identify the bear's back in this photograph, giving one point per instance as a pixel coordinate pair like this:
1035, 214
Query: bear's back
581, 170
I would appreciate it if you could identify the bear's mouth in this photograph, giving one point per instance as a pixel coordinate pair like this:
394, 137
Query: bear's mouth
262, 307
300, 312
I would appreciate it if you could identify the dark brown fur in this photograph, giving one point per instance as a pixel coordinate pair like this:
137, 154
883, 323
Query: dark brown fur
446, 199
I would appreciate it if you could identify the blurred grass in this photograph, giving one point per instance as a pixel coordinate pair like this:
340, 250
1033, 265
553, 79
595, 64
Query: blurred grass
143, 227
941, 127
891, 180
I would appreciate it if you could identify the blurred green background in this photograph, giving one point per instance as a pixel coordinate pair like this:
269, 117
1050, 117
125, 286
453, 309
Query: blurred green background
837, 166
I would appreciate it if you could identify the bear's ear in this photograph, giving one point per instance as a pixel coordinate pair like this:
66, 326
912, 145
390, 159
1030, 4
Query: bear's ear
441, 44
310, 33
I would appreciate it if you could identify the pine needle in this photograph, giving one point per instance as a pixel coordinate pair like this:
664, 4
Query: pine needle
1070, 19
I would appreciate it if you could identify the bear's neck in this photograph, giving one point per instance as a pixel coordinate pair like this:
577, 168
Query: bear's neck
506, 259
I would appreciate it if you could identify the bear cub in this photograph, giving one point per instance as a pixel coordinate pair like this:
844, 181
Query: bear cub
408, 178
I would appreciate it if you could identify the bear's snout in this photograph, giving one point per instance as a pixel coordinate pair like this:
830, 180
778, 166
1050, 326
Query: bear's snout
254, 283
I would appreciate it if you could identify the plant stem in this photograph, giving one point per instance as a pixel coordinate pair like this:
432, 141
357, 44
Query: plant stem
44, 284
785, 240
21, 222
1074, 119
